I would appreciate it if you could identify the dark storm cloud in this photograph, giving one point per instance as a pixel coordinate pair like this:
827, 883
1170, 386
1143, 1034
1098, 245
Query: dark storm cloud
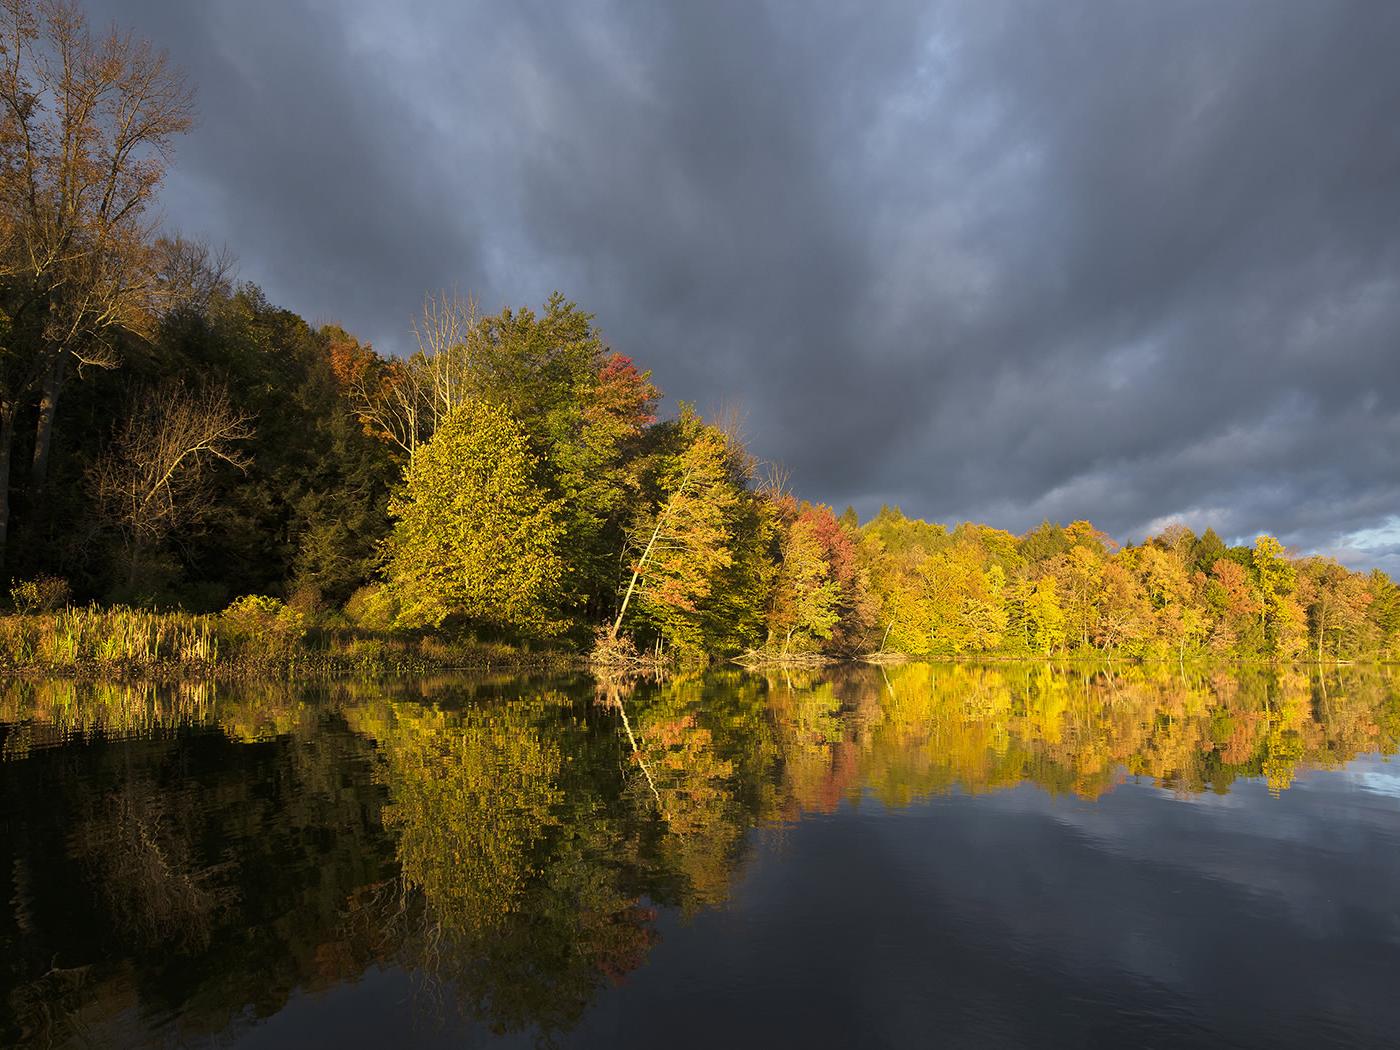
1127, 261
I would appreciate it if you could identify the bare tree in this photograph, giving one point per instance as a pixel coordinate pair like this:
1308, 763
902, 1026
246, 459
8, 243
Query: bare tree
190, 274
392, 399
446, 332
775, 483
405, 400
154, 477
86, 125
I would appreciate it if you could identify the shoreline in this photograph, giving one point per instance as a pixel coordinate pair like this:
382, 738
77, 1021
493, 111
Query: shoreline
123, 644
325, 667
295, 671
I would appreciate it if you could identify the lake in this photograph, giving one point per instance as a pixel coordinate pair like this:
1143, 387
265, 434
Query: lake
946, 855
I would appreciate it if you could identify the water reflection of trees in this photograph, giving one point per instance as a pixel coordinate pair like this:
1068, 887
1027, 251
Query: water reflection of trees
511, 842
517, 893
919, 730
191, 853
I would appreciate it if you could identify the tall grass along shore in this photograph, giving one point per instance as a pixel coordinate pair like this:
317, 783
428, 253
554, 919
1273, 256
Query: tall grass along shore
255, 637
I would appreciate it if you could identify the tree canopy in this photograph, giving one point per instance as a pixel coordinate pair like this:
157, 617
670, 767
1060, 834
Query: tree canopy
474, 535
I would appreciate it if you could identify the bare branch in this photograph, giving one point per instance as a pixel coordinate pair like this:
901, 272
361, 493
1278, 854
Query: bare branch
153, 478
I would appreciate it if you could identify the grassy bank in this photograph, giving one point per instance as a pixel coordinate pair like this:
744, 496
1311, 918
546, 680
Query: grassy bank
258, 639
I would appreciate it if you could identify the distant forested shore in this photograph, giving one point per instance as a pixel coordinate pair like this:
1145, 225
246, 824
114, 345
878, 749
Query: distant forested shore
191, 475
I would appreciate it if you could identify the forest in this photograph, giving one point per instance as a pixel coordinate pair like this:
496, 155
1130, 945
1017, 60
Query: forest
173, 442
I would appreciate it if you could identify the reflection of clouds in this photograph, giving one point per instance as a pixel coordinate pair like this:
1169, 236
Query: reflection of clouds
1208, 799
1310, 854
1212, 897
1018, 918
1380, 782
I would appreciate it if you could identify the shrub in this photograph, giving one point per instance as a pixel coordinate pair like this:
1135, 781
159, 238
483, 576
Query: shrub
372, 608
258, 620
306, 599
40, 594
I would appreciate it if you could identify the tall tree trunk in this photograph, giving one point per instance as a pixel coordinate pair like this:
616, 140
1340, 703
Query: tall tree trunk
662, 514
7, 440
43, 431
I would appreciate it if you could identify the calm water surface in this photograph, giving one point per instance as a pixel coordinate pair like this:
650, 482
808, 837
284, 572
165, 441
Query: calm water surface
925, 855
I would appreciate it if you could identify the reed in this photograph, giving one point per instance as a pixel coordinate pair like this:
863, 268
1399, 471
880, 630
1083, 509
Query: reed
116, 637
271, 642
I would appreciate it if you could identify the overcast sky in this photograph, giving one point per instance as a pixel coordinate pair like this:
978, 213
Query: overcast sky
1126, 261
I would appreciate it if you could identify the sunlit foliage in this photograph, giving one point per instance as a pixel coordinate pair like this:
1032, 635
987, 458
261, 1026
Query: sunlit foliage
1071, 591
474, 535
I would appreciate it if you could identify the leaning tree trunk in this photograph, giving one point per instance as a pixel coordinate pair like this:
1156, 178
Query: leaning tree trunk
662, 514
636, 575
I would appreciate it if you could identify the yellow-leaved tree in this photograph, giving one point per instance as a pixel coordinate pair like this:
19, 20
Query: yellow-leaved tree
476, 538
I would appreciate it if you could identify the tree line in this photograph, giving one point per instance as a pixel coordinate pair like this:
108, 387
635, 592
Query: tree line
189, 443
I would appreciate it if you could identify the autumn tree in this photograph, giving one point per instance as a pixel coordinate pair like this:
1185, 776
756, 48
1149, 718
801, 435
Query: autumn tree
1383, 614
892, 552
682, 541
1124, 614
805, 596
963, 613
1336, 602
1206, 550
1283, 619
583, 409
1044, 542
978, 589
983, 620
86, 127
586, 410
1080, 570
1237, 606
1044, 618
856, 607
598, 473
475, 537
1172, 591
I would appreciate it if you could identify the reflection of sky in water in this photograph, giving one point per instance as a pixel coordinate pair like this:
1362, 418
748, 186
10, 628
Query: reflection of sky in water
1247, 920
1381, 782
1018, 918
